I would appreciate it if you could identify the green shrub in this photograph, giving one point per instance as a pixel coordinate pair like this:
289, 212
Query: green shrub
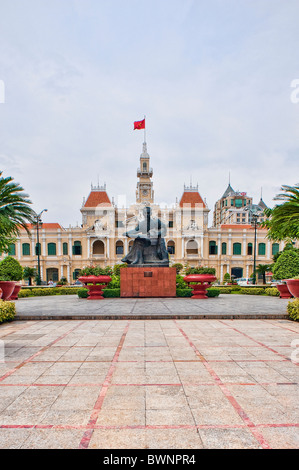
293, 309
82, 293
115, 283
235, 288
25, 293
225, 290
117, 268
178, 267
10, 269
7, 311
287, 265
111, 293
213, 292
252, 290
180, 283
38, 291
272, 291
183, 292
201, 270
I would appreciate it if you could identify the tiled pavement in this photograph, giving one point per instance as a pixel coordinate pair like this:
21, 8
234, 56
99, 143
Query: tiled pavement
174, 384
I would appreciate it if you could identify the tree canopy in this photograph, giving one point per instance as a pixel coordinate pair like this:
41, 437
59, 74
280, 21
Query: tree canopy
283, 220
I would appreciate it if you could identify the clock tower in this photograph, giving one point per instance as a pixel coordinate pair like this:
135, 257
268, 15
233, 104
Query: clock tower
144, 191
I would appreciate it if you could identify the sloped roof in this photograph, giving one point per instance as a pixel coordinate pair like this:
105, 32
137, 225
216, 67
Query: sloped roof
45, 225
228, 190
97, 198
191, 197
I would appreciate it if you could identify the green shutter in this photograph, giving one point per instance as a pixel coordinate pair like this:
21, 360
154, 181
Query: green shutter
65, 248
237, 248
26, 249
262, 249
12, 249
51, 249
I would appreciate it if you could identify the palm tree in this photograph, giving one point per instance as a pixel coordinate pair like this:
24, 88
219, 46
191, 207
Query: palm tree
262, 269
29, 273
283, 220
15, 211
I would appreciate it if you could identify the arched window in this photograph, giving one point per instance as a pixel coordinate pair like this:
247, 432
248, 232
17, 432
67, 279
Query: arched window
171, 247
76, 274
192, 248
249, 249
12, 249
212, 248
98, 248
65, 249
51, 249
26, 249
119, 247
237, 248
77, 248
262, 249
275, 248
144, 167
223, 248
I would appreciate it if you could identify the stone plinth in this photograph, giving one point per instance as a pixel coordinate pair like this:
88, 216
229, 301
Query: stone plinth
148, 281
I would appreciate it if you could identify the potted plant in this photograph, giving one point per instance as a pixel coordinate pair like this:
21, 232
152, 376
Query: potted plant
200, 279
293, 286
95, 278
10, 273
226, 279
286, 268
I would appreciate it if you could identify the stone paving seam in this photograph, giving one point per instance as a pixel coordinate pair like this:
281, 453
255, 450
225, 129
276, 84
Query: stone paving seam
250, 425
37, 353
85, 441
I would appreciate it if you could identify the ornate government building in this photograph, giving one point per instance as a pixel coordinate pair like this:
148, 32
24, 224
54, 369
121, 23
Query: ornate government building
227, 246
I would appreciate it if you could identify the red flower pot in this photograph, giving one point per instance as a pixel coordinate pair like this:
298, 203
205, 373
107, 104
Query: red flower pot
0, 293
95, 285
203, 281
284, 292
15, 293
7, 289
293, 286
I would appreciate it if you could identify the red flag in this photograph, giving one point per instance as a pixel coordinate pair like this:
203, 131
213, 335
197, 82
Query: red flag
139, 124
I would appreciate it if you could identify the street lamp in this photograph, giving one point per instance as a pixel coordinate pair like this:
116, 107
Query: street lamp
38, 221
253, 219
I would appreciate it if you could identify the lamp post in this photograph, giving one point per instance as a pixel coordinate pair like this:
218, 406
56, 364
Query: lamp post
254, 222
253, 219
38, 221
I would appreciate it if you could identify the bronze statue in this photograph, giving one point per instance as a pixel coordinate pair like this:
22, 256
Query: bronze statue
149, 245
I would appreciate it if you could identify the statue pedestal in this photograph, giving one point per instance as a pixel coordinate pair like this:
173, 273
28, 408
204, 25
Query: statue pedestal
147, 281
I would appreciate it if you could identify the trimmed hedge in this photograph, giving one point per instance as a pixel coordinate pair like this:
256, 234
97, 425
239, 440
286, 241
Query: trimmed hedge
107, 293
42, 291
82, 293
211, 292
272, 291
252, 291
7, 311
293, 310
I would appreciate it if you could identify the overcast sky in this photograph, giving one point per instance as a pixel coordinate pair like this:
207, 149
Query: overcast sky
212, 77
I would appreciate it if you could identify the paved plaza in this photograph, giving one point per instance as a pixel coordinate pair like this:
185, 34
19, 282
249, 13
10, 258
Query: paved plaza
64, 307
149, 384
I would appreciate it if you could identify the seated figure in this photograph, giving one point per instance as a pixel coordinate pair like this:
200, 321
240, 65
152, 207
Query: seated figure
149, 245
